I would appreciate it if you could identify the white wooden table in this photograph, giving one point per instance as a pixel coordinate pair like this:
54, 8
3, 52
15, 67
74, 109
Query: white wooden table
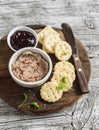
83, 16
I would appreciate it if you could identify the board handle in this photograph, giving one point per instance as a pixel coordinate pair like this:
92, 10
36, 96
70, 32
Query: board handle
80, 74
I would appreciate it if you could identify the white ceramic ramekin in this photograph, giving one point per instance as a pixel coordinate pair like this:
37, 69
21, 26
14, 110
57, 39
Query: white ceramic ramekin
30, 84
22, 28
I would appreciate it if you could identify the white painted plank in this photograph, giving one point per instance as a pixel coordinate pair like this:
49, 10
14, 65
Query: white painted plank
83, 16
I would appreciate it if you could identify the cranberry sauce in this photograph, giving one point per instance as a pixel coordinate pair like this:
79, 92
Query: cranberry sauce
21, 39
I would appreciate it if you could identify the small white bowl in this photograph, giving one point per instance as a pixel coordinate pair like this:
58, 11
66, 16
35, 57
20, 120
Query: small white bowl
22, 28
30, 84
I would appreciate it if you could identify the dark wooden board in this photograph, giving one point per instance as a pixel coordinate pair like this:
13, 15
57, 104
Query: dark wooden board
12, 93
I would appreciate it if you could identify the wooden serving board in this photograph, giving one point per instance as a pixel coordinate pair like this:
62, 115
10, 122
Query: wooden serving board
12, 93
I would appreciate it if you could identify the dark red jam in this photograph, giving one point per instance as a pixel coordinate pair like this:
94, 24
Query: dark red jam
21, 39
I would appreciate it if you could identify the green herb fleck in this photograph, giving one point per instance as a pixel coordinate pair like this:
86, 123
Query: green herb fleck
60, 86
64, 53
25, 98
35, 104
64, 79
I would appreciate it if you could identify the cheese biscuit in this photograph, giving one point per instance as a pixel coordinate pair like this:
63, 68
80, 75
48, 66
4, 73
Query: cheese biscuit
44, 49
50, 42
63, 51
65, 66
46, 31
50, 92
63, 79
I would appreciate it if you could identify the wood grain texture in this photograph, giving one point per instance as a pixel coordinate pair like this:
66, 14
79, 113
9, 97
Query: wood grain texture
83, 16
12, 93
